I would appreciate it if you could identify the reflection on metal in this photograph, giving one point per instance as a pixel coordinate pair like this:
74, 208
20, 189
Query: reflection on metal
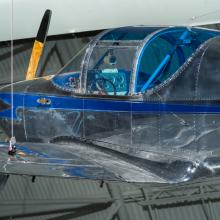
102, 122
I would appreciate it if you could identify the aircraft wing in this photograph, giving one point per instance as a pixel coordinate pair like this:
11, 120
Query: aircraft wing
87, 161
78, 16
70, 160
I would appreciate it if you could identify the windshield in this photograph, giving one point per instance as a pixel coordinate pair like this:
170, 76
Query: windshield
68, 78
109, 70
74, 64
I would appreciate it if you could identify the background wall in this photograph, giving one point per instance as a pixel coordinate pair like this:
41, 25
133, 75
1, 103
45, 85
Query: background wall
57, 52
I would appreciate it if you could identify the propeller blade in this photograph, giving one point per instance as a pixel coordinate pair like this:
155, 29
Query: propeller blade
38, 45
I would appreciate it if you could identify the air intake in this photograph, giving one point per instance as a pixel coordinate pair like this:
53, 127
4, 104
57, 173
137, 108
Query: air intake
3, 105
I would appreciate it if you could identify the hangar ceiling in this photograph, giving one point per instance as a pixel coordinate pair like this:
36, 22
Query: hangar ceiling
27, 197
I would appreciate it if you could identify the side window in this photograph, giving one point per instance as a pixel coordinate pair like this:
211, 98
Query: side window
162, 57
151, 59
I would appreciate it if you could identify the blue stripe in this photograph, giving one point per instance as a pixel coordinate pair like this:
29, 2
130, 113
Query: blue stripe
175, 108
107, 105
94, 104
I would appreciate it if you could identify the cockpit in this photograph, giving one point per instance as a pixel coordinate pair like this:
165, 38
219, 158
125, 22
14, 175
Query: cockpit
110, 69
132, 60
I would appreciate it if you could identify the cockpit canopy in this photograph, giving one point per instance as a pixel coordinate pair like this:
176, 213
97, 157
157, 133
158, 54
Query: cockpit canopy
132, 60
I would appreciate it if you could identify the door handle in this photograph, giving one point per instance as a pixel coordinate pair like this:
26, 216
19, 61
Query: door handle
44, 101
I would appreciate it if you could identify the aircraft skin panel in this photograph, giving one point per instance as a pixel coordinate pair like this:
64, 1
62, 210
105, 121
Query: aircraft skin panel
168, 133
65, 117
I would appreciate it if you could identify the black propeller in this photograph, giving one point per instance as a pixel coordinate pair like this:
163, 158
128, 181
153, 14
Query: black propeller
38, 45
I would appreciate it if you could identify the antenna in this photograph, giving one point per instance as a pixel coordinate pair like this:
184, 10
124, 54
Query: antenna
12, 148
196, 18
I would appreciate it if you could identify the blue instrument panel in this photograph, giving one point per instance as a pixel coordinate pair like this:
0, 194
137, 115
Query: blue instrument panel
114, 80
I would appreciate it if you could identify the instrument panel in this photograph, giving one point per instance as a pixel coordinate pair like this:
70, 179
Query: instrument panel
120, 79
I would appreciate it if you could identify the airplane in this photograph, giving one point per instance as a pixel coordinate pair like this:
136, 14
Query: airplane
144, 107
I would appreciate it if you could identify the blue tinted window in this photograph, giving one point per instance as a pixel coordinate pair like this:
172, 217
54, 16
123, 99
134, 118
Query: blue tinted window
152, 57
129, 33
165, 53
